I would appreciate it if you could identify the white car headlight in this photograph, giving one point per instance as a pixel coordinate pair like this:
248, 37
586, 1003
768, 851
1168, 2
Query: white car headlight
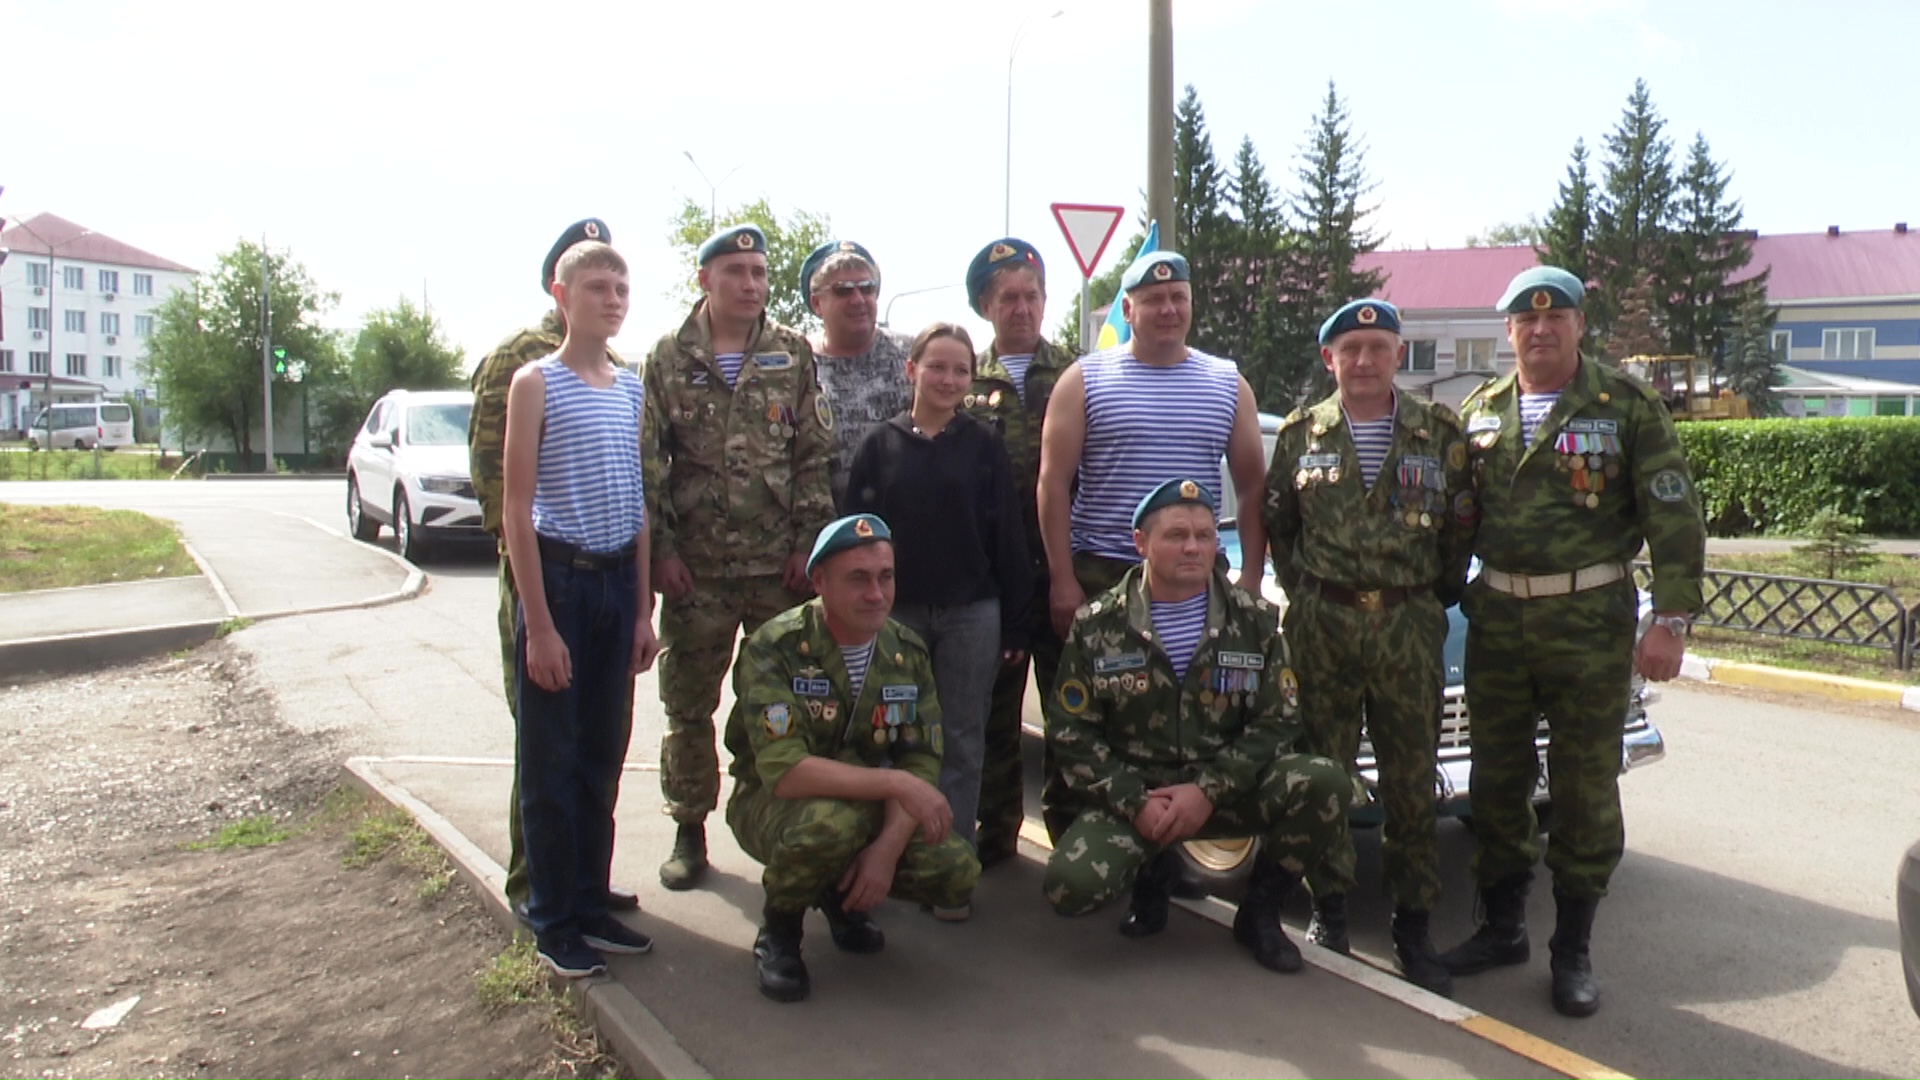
443, 485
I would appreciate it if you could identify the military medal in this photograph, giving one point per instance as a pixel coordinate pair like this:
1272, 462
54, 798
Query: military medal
1592, 500
1206, 697
1300, 479
1426, 521
993, 400
1333, 475
1412, 518
1593, 462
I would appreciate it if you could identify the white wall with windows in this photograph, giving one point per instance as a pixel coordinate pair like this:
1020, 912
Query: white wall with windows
1451, 353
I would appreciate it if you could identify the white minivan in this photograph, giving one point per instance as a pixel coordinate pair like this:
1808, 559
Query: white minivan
82, 426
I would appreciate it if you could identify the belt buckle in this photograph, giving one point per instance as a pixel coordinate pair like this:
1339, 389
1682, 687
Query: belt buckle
1368, 601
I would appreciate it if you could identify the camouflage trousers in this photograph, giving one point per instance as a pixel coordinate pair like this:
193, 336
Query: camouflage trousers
1568, 659
1058, 809
1298, 811
1383, 667
697, 633
806, 846
1003, 774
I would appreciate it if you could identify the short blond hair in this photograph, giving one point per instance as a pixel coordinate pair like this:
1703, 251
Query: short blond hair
588, 255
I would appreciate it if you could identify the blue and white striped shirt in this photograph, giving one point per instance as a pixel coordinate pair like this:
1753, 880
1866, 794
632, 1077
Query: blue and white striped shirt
1017, 367
1178, 625
730, 364
857, 658
1371, 441
587, 491
1533, 412
1147, 425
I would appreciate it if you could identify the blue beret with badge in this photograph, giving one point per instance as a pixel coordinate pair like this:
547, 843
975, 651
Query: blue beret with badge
821, 254
1360, 315
1173, 493
995, 257
577, 233
1154, 268
848, 532
1541, 288
733, 241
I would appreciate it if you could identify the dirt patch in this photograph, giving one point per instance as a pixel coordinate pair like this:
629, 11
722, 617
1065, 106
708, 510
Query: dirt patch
275, 960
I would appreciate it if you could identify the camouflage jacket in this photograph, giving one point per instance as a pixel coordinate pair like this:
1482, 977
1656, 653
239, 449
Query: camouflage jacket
793, 700
1540, 514
863, 391
736, 478
1119, 725
1415, 527
994, 401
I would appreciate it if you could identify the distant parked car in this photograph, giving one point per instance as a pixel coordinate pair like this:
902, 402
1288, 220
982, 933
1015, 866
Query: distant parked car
408, 470
82, 426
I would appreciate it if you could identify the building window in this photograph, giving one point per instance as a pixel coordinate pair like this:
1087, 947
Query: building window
109, 322
109, 367
1847, 344
77, 364
39, 318
37, 363
1420, 356
109, 281
143, 284
143, 326
37, 275
1783, 345
1473, 354
1886, 406
76, 322
73, 278
6, 360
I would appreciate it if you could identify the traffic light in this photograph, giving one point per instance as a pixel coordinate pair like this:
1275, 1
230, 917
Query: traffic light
279, 360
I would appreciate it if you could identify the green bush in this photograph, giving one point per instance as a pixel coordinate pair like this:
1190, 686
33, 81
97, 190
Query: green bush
1775, 476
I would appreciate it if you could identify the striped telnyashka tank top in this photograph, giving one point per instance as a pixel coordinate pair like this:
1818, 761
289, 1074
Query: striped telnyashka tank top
588, 492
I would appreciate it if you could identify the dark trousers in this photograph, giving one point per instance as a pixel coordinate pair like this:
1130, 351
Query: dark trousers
570, 744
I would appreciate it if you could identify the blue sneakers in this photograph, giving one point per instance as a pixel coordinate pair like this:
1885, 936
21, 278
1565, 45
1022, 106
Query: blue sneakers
569, 955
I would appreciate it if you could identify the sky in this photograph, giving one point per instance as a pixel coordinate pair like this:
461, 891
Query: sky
426, 149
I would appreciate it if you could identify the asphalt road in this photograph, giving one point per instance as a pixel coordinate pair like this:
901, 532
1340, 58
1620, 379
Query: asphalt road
1751, 928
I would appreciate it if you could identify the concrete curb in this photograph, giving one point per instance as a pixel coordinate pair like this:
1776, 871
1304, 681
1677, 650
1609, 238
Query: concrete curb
1792, 681
639, 1040
68, 653
213, 579
232, 477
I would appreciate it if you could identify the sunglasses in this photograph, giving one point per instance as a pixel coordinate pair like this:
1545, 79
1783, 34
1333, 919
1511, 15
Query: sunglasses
844, 289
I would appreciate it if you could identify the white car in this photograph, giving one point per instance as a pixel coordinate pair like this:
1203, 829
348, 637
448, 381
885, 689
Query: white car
408, 470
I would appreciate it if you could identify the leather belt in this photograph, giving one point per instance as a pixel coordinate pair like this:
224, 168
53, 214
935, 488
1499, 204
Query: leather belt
1537, 586
580, 558
1364, 599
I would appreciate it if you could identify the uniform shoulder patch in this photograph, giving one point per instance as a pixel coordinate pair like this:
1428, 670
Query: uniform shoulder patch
1296, 416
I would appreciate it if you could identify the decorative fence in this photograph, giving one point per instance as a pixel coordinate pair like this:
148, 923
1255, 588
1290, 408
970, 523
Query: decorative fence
1807, 609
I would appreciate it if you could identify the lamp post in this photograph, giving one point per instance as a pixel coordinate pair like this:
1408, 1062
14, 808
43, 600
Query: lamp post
1013, 51
886, 317
713, 190
53, 252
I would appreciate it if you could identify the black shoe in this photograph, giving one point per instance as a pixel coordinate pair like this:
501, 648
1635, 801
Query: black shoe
621, 900
569, 956
1575, 993
853, 931
1257, 925
609, 934
1502, 938
1152, 897
1413, 948
776, 957
1329, 926
684, 868
994, 851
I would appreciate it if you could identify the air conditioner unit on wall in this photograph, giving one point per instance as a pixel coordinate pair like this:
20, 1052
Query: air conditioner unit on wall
111, 339
38, 334
39, 290
106, 296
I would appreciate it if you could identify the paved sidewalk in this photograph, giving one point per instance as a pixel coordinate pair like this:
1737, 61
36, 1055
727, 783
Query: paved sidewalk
119, 606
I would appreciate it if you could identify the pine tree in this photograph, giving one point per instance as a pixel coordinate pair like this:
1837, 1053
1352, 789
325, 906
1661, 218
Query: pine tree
1632, 210
1705, 251
1751, 367
1636, 326
1567, 237
1248, 298
1200, 222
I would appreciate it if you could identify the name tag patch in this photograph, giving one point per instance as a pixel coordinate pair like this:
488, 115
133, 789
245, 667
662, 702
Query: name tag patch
900, 693
1483, 422
1594, 425
1244, 661
1103, 665
1319, 461
813, 687
772, 361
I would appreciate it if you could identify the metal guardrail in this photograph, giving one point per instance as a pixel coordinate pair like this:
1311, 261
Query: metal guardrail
1806, 609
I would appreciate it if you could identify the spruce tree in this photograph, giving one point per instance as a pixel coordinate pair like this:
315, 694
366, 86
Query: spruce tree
1567, 236
1248, 297
1705, 251
1636, 326
1199, 220
1632, 210
1751, 368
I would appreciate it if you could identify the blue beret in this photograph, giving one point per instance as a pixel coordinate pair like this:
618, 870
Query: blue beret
1173, 493
1360, 315
848, 532
1542, 288
729, 241
1154, 268
578, 232
826, 251
1002, 253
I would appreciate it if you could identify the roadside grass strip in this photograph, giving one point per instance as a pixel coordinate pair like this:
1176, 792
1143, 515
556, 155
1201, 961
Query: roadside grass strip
59, 547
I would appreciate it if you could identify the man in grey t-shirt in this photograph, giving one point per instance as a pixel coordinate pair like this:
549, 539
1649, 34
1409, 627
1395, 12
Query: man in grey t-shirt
862, 368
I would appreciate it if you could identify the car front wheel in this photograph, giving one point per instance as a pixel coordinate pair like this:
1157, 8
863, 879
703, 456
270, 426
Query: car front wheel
363, 527
412, 545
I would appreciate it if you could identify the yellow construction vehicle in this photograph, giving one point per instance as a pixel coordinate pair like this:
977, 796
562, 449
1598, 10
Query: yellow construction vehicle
1685, 383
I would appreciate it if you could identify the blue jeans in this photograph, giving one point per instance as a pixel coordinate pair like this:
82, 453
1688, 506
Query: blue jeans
965, 642
572, 743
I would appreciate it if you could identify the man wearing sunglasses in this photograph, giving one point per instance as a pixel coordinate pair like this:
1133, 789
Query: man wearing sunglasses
863, 369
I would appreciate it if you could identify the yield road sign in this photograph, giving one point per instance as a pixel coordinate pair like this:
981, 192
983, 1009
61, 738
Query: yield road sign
1087, 228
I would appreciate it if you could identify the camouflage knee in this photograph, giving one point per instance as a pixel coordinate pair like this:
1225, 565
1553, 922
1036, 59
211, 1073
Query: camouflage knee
1095, 861
1302, 801
810, 847
941, 874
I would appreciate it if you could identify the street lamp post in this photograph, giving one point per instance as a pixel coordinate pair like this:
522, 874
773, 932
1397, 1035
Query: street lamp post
1013, 51
53, 252
886, 317
713, 190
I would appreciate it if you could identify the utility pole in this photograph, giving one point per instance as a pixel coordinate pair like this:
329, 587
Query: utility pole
266, 356
1160, 122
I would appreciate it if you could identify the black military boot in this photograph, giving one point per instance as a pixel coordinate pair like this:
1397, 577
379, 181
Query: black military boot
684, 867
1502, 938
853, 931
1257, 926
1152, 897
1413, 948
1575, 993
776, 956
1329, 926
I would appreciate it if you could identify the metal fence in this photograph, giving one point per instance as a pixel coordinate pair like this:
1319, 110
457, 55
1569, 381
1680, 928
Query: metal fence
1807, 609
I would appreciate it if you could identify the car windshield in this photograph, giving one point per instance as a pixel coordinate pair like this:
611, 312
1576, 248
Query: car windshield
438, 425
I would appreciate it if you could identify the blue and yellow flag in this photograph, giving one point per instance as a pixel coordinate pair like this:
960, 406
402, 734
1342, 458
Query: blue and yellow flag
1115, 330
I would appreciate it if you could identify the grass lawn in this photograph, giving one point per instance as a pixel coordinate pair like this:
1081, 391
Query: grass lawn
1901, 573
53, 547
131, 463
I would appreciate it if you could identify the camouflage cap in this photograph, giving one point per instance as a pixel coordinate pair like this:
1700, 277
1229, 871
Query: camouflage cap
1154, 268
732, 241
818, 257
1541, 288
577, 233
848, 532
1176, 492
1002, 253
1360, 315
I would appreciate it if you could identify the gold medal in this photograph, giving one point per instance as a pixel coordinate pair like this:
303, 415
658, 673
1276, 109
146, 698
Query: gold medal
1592, 500
880, 735
1426, 521
1206, 697
1411, 517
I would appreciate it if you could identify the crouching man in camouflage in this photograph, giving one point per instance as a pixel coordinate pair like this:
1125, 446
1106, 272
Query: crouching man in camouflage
836, 744
1174, 718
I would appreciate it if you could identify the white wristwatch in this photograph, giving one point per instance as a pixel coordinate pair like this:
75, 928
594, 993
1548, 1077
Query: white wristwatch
1677, 625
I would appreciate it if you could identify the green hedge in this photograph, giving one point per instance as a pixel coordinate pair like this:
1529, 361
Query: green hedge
1772, 476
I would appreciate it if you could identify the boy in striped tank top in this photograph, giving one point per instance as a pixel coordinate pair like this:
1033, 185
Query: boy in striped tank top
576, 532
